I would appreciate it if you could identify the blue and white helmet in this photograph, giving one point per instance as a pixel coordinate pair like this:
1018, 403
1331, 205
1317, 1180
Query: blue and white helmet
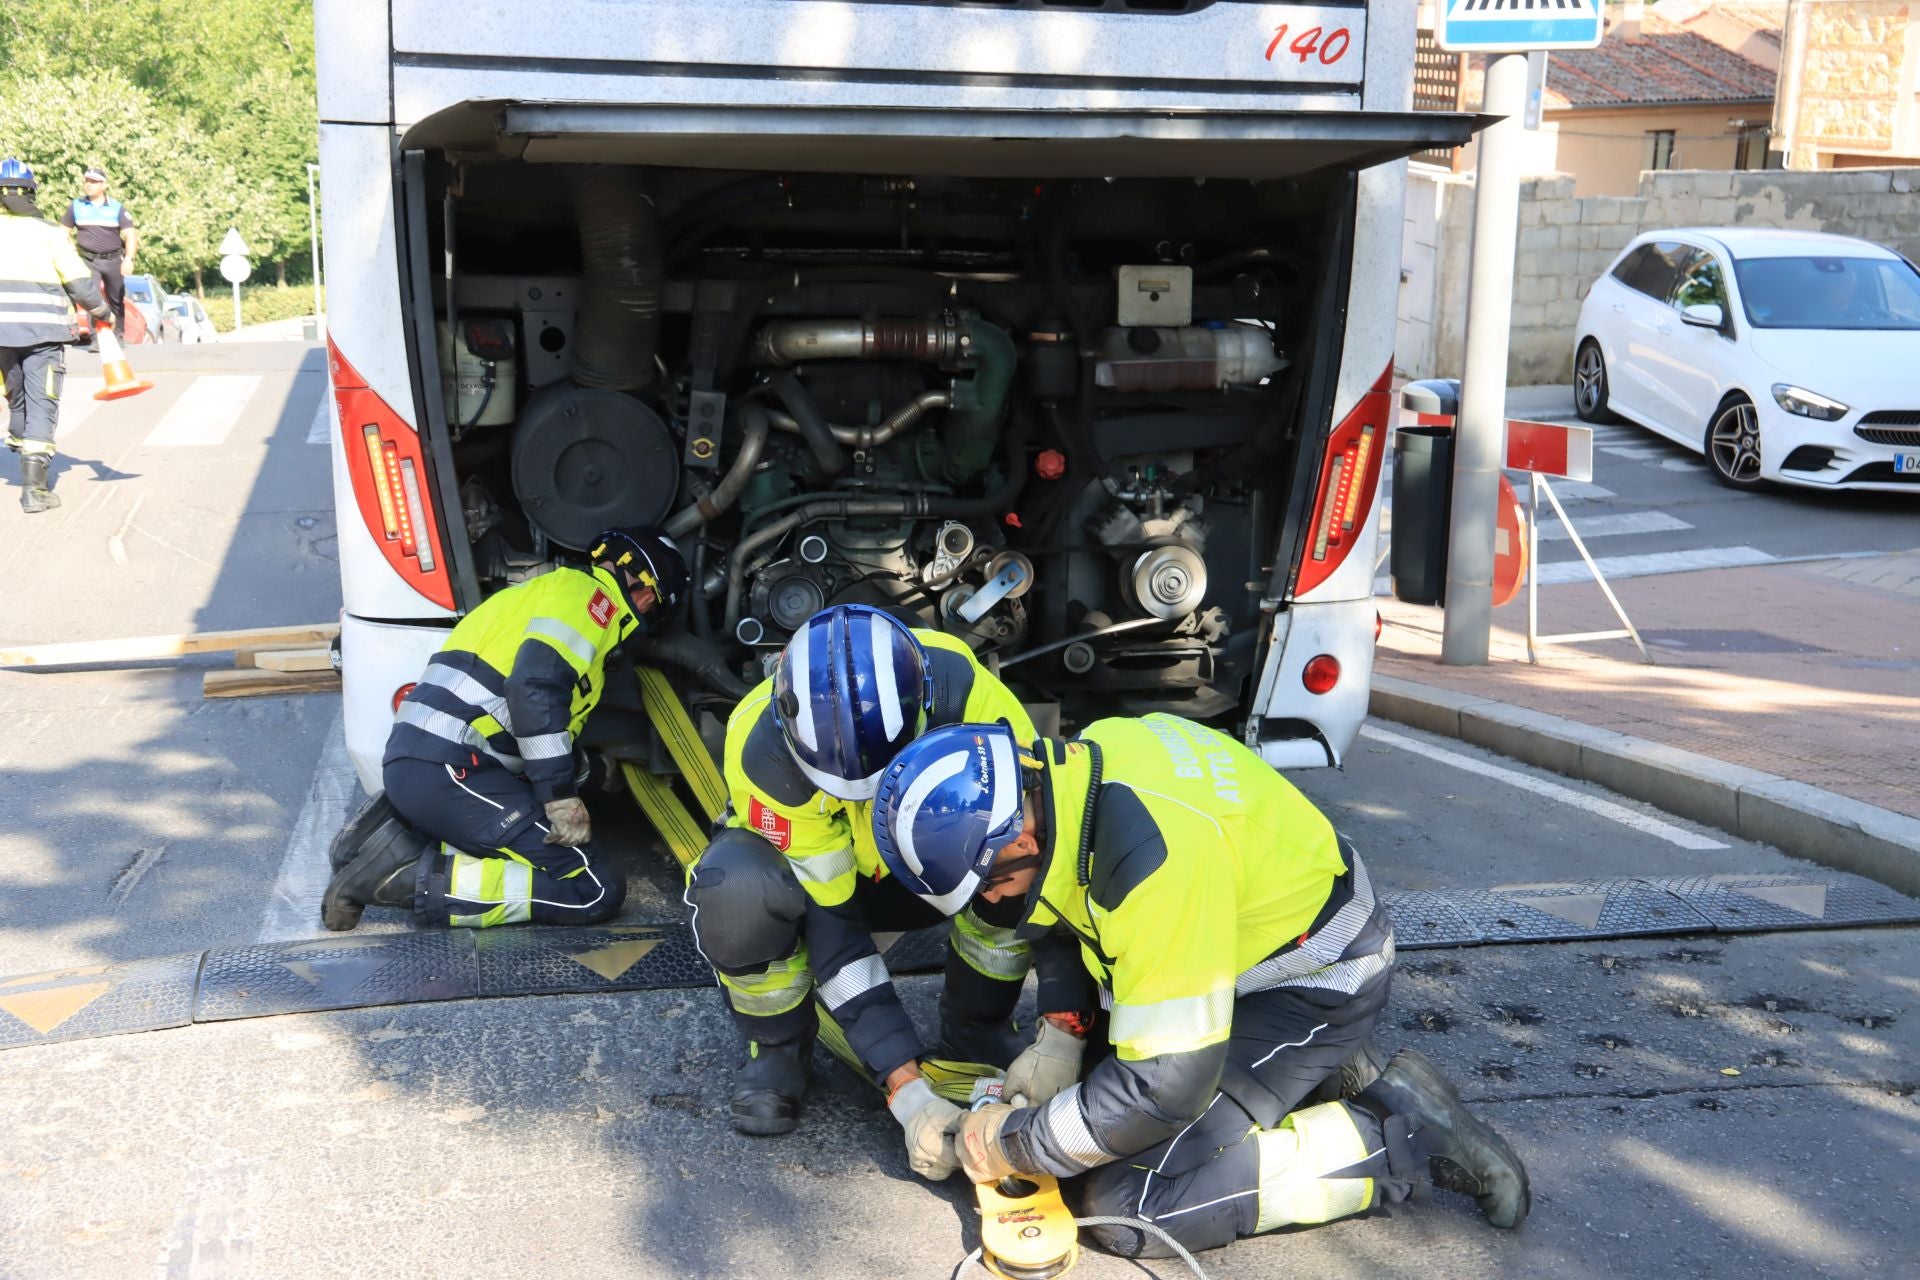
946, 806
852, 688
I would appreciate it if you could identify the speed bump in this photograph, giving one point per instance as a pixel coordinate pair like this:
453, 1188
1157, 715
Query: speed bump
355, 972
524, 962
337, 973
97, 1000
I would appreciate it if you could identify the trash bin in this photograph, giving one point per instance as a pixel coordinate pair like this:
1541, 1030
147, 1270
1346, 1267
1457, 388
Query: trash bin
1422, 493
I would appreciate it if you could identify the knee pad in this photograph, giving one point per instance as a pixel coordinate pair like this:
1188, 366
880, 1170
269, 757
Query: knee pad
747, 903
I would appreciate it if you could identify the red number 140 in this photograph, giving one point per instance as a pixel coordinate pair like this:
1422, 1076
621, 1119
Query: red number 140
1308, 43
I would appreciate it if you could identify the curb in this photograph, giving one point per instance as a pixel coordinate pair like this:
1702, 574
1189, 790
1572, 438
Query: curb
1804, 821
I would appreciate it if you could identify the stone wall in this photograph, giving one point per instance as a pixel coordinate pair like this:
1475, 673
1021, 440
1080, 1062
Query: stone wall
1567, 241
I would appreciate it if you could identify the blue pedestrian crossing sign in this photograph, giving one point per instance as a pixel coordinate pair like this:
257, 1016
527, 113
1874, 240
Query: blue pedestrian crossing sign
1514, 26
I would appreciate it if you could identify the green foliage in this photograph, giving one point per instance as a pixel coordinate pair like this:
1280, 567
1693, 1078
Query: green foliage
259, 303
202, 112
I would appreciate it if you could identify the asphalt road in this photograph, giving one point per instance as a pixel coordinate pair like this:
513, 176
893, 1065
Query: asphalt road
586, 1135
1654, 507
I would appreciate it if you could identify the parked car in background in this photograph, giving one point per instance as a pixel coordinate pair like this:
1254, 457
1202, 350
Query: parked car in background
1784, 356
184, 319
144, 295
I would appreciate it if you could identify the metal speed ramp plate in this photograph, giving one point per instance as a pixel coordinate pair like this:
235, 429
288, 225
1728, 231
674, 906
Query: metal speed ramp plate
1826, 900
1425, 919
922, 951
337, 973
98, 1000
1580, 909
544, 961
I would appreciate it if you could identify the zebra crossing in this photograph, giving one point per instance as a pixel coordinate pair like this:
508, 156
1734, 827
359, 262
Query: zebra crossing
184, 411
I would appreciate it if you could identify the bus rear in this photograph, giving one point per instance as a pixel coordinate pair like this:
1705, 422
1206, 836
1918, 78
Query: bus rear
1065, 328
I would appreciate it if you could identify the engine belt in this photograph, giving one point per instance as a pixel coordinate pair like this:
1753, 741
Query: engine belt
670, 718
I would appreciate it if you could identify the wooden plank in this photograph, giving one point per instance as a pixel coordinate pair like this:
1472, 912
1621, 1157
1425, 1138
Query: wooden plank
147, 648
293, 659
250, 684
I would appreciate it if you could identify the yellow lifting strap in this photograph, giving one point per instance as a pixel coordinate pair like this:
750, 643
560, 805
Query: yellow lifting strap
669, 716
680, 829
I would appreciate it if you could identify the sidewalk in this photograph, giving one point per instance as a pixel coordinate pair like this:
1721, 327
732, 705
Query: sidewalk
1777, 688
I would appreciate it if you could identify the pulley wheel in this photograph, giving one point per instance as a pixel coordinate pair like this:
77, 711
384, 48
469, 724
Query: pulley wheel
586, 460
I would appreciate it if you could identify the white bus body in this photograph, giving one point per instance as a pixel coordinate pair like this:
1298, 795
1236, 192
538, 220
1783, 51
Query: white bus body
1178, 220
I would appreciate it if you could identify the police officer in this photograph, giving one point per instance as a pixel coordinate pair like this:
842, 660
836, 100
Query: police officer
787, 898
105, 234
39, 274
482, 759
1243, 957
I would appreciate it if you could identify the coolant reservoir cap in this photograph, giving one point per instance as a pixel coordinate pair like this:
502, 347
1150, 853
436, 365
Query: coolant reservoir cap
1050, 465
586, 459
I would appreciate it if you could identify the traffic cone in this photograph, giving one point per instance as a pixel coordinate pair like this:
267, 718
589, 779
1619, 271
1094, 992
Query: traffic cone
114, 367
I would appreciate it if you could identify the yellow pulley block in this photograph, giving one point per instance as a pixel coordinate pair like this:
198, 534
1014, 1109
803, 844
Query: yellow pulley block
1026, 1229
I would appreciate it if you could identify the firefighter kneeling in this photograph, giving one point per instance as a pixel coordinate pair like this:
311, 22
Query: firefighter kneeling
1244, 959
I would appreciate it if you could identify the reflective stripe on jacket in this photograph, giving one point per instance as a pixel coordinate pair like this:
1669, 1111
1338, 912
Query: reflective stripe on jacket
517, 678
1206, 868
829, 841
39, 274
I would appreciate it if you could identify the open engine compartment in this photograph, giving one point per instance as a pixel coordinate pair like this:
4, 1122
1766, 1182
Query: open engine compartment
1064, 419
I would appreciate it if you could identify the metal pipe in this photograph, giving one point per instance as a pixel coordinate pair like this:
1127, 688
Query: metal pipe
724, 494
937, 340
873, 437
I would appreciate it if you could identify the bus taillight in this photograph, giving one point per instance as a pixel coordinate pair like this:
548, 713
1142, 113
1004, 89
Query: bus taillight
388, 471
1349, 482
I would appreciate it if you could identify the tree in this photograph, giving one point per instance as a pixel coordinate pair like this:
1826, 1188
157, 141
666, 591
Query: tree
202, 112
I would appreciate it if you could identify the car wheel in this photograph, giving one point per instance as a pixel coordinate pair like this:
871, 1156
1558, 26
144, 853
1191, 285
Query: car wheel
1733, 444
1590, 384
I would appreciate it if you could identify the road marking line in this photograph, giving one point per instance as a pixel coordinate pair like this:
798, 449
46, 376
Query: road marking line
294, 909
77, 404
321, 430
1552, 790
1571, 491
1634, 452
1614, 526
1653, 564
205, 412
117, 540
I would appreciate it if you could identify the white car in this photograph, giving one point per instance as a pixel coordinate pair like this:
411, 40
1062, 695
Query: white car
183, 319
1784, 356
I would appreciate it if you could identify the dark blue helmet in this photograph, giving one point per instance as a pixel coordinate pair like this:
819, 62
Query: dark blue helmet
649, 555
852, 688
15, 174
945, 808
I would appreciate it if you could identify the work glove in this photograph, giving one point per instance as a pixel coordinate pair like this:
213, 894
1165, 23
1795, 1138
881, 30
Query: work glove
1046, 1067
102, 317
981, 1154
567, 821
930, 1122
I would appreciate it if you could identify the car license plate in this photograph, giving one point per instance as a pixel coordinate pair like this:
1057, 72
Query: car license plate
1906, 464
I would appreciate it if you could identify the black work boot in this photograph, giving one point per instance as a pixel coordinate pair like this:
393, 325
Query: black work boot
353, 837
384, 873
1464, 1153
35, 497
1354, 1076
768, 1089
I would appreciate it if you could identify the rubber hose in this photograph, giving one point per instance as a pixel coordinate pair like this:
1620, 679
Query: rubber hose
617, 326
692, 654
1013, 447
813, 425
727, 492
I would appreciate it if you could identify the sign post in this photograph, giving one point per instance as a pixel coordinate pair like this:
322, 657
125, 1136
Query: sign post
1509, 29
235, 267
